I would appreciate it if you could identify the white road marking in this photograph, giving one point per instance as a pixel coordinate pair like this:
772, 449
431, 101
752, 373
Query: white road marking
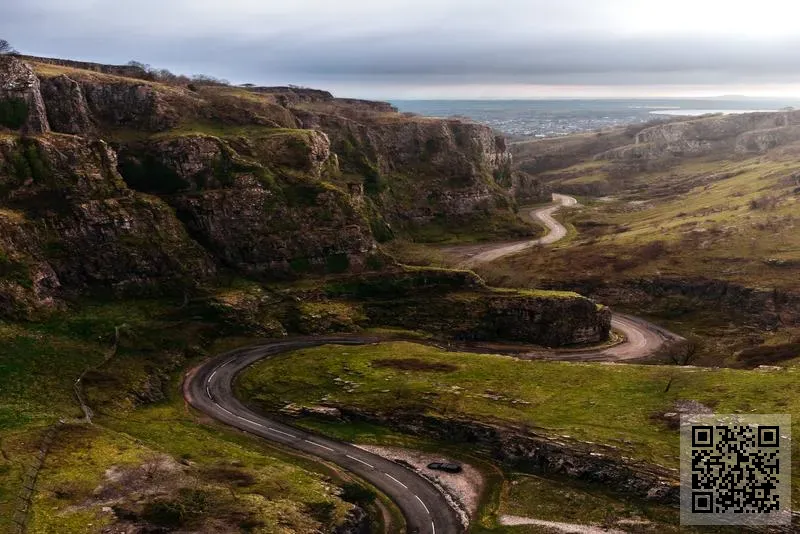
218, 405
318, 445
210, 378
208, 392
423, 504
360, 461
390, 476
433, 528
281, 432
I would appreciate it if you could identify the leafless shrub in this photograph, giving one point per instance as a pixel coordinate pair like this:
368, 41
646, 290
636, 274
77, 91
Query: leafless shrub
6, 48
167, 77
649, 252
766, 202
230, 476
652, 251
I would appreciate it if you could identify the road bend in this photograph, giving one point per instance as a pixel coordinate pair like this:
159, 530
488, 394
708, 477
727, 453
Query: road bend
209, 388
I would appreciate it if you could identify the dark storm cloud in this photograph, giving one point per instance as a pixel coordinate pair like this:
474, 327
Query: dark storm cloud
580, 42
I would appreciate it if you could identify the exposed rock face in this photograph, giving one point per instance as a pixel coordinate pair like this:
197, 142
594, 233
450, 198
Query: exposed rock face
244, 207
749, 132
178, 164
307, 151
253, 228
760, 141
528, 188
511, 317
260, 196
290, 96
136, 106
69, 223
67, 109
458, 304
417, 169
18, 83
768, 308
529, 452
421, 168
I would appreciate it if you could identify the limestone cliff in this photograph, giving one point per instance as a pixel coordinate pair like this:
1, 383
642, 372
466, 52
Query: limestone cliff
133, 186
69, 223
21, 103
417, 169
709, 135
458, 304
602, 163
414, 169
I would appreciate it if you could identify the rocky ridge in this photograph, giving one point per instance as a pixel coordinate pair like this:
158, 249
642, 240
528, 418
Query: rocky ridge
127, 186
605, 162
527, 451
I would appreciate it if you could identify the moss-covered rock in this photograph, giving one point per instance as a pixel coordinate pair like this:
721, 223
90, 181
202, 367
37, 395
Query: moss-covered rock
67, 216
21, 104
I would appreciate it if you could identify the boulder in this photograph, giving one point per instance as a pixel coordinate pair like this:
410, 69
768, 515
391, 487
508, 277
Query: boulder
21, 103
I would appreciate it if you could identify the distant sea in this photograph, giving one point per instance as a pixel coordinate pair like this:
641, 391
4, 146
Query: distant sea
550, 118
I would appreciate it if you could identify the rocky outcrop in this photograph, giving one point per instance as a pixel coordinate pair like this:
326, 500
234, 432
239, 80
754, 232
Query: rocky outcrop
421, 169
483, 316
710, 135
259, 196
306, 151
177, 164
249, 207
67, 109
526, 188
527, 451
69, 224
760, 141
416, 170
256, 229
768, 308
138, 106
21, 104
356, 522
457, 304
291, 96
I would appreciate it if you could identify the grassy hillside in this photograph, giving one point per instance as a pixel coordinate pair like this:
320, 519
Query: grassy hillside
621, 410
153, 460
728, 220
616, 405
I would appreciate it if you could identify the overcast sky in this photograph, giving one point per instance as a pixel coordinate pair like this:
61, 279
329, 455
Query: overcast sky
436, 48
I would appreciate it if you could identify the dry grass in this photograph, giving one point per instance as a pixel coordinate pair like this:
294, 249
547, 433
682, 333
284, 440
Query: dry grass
737, 221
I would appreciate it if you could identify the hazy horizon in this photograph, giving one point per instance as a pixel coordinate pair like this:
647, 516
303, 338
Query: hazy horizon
436, 49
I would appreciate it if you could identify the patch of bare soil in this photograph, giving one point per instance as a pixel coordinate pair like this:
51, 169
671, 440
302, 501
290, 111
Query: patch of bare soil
555, 526
415, 364
163, 495
464, 488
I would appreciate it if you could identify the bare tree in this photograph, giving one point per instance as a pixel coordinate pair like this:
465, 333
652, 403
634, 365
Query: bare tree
139, 65
6, 48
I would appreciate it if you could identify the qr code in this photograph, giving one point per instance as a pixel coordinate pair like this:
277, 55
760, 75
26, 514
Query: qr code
735, 469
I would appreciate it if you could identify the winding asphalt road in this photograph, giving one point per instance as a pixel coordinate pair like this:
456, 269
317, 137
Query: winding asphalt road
209, 388
556, 232
642, 338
